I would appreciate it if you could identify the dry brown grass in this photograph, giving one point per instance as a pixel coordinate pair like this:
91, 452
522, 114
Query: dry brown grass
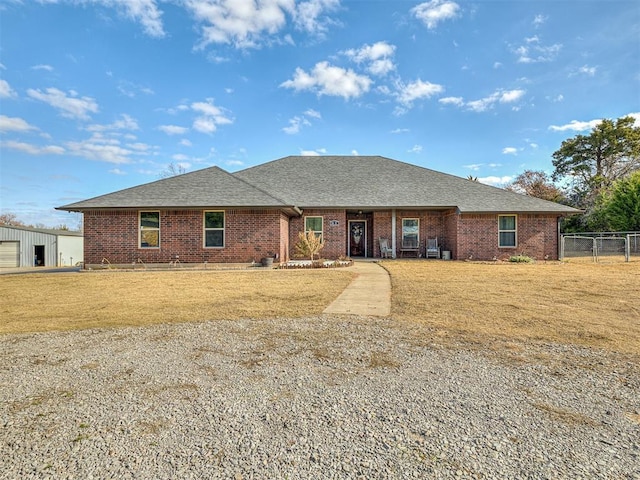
586, 304
45, 302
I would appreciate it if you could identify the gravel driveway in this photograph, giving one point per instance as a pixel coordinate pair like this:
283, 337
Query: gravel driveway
319, 397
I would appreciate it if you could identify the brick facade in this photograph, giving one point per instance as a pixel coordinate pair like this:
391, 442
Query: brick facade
477, 237
251, 235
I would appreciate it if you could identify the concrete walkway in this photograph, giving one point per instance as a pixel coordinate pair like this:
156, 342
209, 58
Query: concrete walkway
368, 294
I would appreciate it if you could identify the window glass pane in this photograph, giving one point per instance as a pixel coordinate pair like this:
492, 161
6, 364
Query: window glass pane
507, 239
214, 238
410, 229
409, 224
150, 220
313, 223
150, 238
507, 222
214, 220
410, 240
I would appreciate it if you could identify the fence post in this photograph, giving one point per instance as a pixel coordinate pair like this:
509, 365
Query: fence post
561, 256
595, 250
627, 249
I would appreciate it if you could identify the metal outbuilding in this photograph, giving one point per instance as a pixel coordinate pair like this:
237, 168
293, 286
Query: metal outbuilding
37, 247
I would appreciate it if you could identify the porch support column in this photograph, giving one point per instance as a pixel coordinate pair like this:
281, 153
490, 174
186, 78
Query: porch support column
393, 233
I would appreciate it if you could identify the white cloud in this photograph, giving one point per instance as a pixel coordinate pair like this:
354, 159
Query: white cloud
534, 52
473, 166
5, 90
14, 124
185, 143
309, 16
117, 171
417, 90
126, 122
576, 126
295, 124
415, 149
496, 181
377, 57
145, 12
497, 65
354, 153
511, 96
499, 96
33, 149
326, 79
173, 129
139, 147
433, 12
309, 153
100, 149
48, 68
179, 157
210, 116
587, 70
400, 130
509, 151
457, 101
246, 24
539, 20
70, 105
313, 113
131, 90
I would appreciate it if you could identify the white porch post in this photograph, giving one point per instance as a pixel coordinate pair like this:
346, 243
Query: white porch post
393, 233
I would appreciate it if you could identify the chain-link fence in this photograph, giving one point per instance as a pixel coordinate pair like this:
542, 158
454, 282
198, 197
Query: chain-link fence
601, 246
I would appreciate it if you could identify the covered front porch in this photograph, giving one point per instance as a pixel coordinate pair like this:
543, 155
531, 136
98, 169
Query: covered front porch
398, 233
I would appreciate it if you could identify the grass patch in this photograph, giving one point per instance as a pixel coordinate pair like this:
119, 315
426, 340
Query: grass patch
586, 304
46, 302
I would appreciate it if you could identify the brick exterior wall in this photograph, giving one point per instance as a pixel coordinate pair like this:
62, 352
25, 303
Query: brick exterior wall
537, 237
250, 235
335, 237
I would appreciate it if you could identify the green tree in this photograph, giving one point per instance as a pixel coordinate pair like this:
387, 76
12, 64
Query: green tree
621, 207
594, 162
536, 183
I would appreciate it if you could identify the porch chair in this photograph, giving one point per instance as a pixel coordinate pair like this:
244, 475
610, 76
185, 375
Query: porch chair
385, 249
433, 249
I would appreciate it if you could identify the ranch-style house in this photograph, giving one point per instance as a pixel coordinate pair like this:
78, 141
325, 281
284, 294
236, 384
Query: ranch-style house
354, 202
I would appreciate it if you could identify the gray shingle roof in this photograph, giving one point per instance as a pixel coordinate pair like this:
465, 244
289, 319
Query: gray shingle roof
210, 187
354, 182
379, 182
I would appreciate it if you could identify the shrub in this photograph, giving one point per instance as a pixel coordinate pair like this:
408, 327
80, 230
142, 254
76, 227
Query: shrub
521, 258
309, 244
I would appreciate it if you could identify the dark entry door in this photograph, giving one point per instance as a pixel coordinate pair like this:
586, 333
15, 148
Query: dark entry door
38, 255
357, 238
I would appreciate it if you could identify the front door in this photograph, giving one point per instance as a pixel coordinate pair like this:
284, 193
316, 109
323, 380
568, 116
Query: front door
357, 238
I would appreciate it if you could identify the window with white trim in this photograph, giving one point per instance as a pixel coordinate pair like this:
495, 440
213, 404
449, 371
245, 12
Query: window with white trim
507, 231
410, 232
149, 229
313, 224
214, 229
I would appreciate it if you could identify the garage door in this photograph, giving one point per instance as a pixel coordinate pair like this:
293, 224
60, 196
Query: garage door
9, 254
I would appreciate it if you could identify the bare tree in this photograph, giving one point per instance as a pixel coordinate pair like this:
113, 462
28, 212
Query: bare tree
173, 170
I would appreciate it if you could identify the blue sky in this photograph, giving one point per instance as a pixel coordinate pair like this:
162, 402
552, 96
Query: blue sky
100, 95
